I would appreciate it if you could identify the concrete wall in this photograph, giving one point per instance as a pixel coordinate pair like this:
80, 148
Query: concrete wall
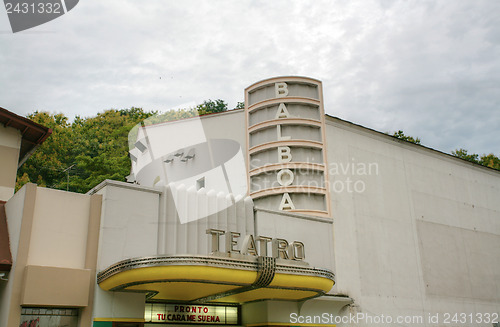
314, 232
60, 229
214, 140
10, 143
129, 224
14, 211
53, 238
416, 231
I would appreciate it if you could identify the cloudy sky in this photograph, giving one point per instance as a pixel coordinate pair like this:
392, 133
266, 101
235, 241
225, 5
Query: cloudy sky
430, 68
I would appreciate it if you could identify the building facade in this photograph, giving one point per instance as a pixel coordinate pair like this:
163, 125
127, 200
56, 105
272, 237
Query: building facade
272, 215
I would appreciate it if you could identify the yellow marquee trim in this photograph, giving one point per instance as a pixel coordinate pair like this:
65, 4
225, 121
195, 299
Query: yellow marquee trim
187, 273
215, 279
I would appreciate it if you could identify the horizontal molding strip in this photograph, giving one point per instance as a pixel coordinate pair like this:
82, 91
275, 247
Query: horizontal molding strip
272, 80
274, 144
269, 102
287, 165
288, 189
284, 121
321, 213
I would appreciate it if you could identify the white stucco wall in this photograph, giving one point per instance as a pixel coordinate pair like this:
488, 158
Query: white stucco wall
129, 224
420, 233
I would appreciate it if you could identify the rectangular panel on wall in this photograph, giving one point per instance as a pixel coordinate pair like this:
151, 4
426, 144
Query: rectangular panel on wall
287, 167
48, 317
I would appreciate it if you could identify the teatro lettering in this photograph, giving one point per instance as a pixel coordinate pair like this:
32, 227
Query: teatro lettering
280, 248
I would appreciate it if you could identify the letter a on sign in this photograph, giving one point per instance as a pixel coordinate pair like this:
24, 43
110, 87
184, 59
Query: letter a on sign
281, 90
286, 202
282, 112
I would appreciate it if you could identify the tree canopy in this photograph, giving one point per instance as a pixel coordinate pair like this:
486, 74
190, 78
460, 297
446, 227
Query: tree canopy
81, 154
489, 160
401, 135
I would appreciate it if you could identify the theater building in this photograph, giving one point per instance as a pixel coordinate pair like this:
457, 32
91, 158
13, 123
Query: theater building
272, 215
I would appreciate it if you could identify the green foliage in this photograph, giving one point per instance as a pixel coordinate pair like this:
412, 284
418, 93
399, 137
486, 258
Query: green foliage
462, 153
209, 106
80, 155
240, 105
400, 135
489, 160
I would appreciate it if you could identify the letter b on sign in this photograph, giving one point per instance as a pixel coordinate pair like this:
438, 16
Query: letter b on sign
281, 89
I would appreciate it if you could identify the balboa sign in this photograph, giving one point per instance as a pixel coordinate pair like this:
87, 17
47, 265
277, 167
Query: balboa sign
286, 145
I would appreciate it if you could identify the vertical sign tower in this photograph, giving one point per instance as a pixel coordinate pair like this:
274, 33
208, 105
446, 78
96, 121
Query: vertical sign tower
287, 167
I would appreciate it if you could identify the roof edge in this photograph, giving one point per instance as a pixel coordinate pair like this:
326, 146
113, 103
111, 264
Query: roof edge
32, 134
411, 144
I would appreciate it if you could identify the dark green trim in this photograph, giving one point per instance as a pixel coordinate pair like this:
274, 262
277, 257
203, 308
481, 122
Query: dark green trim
103, 324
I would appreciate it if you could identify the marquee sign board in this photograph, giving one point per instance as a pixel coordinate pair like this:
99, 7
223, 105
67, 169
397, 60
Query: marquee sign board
191, 314
286, 145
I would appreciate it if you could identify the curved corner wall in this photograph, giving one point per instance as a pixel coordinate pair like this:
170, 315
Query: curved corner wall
286, 145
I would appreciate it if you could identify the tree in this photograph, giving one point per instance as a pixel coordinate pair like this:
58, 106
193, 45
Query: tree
240, 105
462, 153
209, 107
48, 162
400, 135
490, 160
80, 155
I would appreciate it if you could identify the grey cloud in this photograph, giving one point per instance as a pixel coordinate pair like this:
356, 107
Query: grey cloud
429, 68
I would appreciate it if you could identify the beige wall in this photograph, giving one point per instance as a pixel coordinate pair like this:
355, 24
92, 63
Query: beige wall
10, 143
14, 211
55, 286
60, 227
54, 237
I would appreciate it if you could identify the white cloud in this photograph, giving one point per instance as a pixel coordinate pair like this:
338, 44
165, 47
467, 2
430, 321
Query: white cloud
429, 68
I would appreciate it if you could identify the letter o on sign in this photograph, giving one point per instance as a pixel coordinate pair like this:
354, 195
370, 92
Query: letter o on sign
285, 177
